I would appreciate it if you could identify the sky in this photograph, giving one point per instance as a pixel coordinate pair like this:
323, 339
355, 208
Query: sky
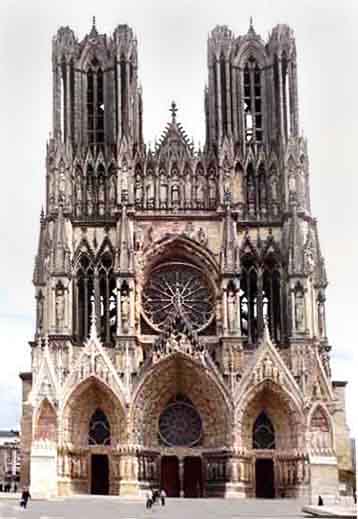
172, 38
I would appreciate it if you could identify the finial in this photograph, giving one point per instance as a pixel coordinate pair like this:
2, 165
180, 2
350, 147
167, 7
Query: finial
94, 22
42, 215
251, 28
173, 110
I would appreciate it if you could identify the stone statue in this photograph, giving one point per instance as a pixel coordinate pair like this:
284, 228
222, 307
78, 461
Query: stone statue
101, 196
202, 237
60, 308
62, 187
112, 191
199, 191
125, 312
40, 312
231, 310
138, 191
292, 183
187, 188
189, 230
163, 191
300, 311
150, 191
212, 191
273, 187
89, 200
175, 192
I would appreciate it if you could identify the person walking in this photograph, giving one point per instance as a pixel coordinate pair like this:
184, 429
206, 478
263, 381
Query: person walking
148, 503
163, 495
25, 496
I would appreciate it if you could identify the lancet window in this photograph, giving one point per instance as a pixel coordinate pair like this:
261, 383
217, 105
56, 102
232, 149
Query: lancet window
260, 299
99, 429
95, 104
263, 434
95, 290
253, 121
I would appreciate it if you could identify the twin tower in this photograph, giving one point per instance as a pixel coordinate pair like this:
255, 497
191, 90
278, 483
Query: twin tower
180, 335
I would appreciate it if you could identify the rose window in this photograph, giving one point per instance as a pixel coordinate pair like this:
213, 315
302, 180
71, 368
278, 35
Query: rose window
180, 425
178, 290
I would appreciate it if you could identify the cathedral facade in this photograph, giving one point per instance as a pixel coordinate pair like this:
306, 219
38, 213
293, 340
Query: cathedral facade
180, 334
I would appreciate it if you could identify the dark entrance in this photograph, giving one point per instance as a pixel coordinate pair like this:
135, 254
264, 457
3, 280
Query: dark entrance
265, 486
99, 474
170, 476
193, 477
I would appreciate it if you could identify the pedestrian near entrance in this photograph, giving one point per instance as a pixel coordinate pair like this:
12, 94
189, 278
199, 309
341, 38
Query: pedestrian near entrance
25, 496
148, 502
163, 495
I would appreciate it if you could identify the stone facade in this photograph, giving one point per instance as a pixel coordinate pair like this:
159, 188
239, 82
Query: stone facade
180, 325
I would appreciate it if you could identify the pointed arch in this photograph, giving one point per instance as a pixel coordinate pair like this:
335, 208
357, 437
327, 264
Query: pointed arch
80, 405
280, 406
45, 426
321, 428
180, 374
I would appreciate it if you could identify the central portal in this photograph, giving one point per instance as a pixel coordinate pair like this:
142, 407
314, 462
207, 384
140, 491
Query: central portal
265, 486
99, 474
193, 477
170, 476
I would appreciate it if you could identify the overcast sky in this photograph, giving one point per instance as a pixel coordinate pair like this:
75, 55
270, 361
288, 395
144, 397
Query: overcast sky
172, 38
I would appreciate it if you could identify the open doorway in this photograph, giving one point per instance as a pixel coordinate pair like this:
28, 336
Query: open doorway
265, 483
99, 474
170, 476
193, 477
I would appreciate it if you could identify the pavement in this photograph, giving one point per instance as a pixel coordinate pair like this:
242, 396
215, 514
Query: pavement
111, 507
337, 511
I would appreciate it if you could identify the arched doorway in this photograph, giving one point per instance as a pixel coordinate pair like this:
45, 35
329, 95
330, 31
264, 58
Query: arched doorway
99, 474
263, 437
264, 475
193, 477
169, 480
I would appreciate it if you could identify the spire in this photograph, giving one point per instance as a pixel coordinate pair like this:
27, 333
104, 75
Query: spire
125, 260
39, 270
230, 260
59, 264
251, 26
94, 32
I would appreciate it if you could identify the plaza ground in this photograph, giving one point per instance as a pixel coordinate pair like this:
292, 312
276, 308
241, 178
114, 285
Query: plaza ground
111, 507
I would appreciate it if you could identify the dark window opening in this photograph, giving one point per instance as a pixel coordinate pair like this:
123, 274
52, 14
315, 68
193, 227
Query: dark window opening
263, 436
99, 429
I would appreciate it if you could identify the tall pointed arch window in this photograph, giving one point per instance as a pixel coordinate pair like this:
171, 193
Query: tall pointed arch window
263, 434
260, 298
253, 122
95, 290
99, 432
107, 298
95, 104
83, 297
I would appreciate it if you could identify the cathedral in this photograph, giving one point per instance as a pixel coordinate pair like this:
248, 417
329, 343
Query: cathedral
180, 338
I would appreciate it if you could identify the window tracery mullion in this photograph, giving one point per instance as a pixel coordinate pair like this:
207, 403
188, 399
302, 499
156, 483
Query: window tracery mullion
249, 307
85, 306
252, 102
271, 306
106, 310
259, 301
